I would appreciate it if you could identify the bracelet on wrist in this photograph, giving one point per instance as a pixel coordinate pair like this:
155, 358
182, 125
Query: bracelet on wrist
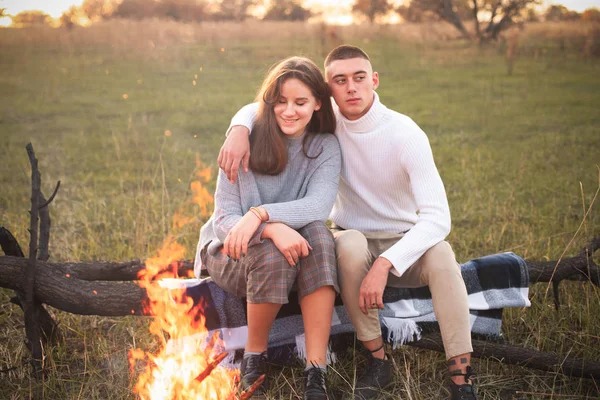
262, 216
256, 214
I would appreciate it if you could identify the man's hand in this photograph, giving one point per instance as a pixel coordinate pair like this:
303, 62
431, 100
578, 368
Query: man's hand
236, 242
288, 241
371, 289
236, 148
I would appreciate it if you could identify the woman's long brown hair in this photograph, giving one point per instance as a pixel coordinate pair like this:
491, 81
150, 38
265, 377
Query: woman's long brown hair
268, 144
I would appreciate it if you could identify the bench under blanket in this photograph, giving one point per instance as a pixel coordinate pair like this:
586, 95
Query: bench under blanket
493, 283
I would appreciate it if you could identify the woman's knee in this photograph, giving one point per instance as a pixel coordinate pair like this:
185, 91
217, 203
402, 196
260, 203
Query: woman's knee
316, 233
267, 258
320, 239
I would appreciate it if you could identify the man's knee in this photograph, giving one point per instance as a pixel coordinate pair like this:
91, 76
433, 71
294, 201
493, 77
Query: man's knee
439, 258
350, 245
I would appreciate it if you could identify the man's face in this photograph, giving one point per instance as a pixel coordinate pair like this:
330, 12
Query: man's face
352, 83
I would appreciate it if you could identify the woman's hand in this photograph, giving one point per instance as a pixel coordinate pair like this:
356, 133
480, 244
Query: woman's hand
236, 242
289, 242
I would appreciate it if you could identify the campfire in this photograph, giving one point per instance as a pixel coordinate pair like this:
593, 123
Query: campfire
186, 365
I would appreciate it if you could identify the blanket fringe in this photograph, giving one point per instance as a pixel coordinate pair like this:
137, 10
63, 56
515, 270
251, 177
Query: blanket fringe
400, 332
301, 350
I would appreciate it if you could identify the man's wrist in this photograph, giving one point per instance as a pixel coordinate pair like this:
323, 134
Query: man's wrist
384, 263
238, 128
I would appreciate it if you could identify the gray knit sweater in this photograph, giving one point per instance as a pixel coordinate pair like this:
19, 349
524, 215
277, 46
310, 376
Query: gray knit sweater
304, 192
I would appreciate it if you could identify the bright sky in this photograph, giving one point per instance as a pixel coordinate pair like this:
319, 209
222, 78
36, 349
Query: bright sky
56, 7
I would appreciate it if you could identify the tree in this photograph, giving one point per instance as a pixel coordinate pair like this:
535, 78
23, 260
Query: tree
414, 11
531, 15
69, 18
497, 15
287, 10
96, 10
136, 9
559, 12
236, 10
178, 10
182, 10
31, 18
591, 14
371, 8
443, 9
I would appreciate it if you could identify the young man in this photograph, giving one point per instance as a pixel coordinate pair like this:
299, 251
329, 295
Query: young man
391, 217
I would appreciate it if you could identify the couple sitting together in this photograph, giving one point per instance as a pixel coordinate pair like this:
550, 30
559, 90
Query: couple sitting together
367, 168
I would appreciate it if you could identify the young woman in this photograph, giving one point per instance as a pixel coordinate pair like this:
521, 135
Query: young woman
267, 232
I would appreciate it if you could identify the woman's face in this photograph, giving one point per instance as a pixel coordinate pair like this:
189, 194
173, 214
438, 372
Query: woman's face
295, 107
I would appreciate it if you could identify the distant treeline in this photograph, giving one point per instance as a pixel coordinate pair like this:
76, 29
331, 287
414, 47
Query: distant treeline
491, 15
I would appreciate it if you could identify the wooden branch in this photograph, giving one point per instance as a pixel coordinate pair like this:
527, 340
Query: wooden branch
31, 315
45, 223
580, 267
476, 19
515, 355
449, 15
46, 203
48, 328
9, 244
74, 295
112, 271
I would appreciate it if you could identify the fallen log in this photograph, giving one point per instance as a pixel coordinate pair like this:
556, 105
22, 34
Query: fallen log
516, 355
579, 268
89, 288
107, 288
59, 289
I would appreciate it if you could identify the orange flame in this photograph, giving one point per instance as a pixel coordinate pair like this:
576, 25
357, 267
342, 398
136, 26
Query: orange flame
184, 343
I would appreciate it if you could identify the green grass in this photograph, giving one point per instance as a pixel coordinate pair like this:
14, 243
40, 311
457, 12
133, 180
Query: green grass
518, 155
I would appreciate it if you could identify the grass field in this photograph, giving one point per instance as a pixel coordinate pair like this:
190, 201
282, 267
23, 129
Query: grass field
120, 113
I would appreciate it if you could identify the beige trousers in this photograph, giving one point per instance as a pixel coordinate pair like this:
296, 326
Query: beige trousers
437, 268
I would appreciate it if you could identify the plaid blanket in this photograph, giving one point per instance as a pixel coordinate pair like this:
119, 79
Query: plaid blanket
493, 282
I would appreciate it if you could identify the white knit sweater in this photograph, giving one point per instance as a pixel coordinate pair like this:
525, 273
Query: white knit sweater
389, 181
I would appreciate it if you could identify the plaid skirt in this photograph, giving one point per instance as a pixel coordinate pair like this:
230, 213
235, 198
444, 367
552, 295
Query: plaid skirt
265, 276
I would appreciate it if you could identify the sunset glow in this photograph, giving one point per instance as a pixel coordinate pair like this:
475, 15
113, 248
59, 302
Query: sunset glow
333, 11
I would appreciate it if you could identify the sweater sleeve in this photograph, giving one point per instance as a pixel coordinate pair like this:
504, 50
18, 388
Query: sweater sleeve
321, 192
245, 117
433, 223
228, 209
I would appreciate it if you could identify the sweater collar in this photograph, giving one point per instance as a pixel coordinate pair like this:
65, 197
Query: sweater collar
368, 122
295, 143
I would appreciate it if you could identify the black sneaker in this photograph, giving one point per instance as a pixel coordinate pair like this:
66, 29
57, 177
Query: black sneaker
315, 388
377, 376
466, 391
252, 368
